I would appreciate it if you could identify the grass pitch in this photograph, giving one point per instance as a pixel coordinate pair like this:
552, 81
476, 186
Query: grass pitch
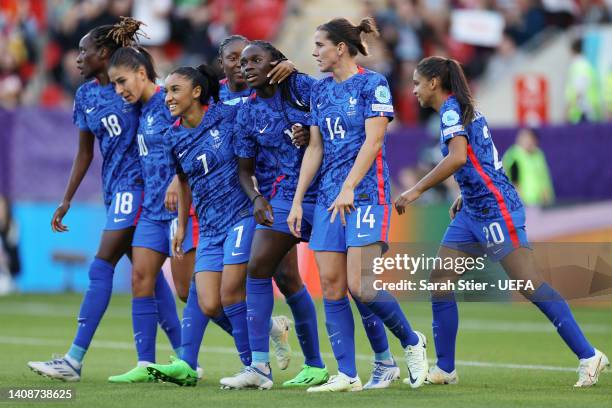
508, 356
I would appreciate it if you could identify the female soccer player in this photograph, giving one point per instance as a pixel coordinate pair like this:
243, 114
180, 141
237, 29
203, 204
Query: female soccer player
101, 114
200, 147
350, 112
264, 141
488, 217
233, 90
132, 74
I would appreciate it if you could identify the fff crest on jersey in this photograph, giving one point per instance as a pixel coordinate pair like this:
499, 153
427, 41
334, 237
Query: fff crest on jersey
450, 118
382, 94
352, 106
216, 138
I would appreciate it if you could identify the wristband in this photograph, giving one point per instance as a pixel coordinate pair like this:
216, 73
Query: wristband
255, 198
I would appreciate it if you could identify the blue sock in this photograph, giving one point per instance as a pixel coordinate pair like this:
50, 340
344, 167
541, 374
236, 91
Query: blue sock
260, 302
236, 314
166, 312
550, 302
375, 330
93, 306
445, 323
144, 322
341, 333
223, 322
305, 316
193, 327
386, 307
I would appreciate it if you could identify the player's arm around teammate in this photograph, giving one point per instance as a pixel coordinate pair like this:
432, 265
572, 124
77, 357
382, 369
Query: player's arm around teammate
488, 218
266, 128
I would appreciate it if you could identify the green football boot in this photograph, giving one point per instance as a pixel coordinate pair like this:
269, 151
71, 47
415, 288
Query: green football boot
138, 374
308, 377
177, 372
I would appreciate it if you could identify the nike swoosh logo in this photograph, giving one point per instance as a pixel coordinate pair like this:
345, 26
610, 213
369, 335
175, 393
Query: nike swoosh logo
119, 219
352, 382
181, 154
362, 235
90, 110
237, 253
412, 379
264, 129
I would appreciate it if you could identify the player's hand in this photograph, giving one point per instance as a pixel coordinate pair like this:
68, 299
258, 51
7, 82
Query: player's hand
406, 198
281, 71
344, 203
300, 135
262, 211
172, 193
456, 207
177, 243
58, 216
294, 220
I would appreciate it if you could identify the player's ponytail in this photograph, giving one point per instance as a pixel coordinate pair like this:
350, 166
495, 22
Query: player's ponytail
211, 81
125, 33
204, 77
134, 57
452, 79
122, 40
340, 30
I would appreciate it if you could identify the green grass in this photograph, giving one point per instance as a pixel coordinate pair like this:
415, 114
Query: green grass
32, 327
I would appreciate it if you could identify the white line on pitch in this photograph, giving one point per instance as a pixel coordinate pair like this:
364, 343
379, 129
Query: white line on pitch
120, 345
41, 309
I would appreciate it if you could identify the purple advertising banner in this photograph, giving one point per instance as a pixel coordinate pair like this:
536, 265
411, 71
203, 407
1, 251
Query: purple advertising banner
37, 147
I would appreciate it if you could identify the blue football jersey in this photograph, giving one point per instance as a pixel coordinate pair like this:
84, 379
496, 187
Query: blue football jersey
206, 156
340, 111
99, 110
228, 97
264, 167
155, 120
263, 132
487, 193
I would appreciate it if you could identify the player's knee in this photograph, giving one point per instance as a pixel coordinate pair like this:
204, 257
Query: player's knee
142, 282
257, 268
210, 307
333, 289
288, 285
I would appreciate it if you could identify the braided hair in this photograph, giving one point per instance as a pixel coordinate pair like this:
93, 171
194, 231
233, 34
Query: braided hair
125, 33
129, 53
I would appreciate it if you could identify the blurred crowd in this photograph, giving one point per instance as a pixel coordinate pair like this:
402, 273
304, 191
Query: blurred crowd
491, 33
38, 38
43, 36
